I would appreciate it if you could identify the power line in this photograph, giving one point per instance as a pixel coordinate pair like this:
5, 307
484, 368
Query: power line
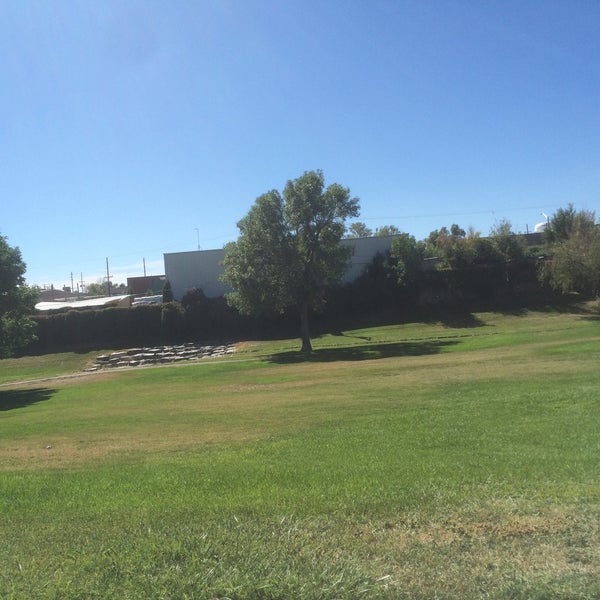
461, 214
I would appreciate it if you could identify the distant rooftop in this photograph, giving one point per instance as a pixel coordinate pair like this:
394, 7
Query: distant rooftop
87, 303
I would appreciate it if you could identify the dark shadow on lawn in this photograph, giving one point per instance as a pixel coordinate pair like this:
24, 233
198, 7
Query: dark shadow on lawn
462, 321
11, 399
364, 352
452, 317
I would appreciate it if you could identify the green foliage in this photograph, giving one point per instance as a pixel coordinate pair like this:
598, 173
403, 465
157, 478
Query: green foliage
407, 258
510, 246
567, 222
256, 265
575, 264
17, 301
167, 292
98, 288
459, 249
575, 248
454, 248
16, 332
358, 230
288, 253
456, 231
387, 230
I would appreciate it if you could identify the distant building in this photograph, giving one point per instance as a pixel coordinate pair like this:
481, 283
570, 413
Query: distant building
202, 269
197, 269
146, 286
121, 301
51, 294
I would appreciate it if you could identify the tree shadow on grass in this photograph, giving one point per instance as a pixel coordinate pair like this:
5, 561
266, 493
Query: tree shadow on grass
455, 317
465, 320
364, 352
11, 399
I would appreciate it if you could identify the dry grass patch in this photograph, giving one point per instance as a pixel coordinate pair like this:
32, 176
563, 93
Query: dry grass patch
481, 555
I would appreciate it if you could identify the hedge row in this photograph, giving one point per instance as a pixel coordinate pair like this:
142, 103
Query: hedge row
210, 320
198, 318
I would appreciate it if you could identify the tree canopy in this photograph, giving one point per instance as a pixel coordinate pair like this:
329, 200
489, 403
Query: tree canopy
358, 230
17, 300
575, 249
407, 255
288, 252
567, 222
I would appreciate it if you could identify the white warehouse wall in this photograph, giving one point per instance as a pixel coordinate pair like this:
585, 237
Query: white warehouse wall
197, 269
364, 251
202, 268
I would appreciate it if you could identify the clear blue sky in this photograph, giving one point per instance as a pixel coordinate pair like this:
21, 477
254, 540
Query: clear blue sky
125, 126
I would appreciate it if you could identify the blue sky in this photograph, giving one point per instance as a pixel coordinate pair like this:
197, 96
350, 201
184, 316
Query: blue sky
129, 129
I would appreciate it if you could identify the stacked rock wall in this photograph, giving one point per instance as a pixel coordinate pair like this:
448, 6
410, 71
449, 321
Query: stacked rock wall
138, 357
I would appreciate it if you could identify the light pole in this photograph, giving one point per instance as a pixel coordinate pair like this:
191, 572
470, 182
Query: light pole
197, 236
108, 276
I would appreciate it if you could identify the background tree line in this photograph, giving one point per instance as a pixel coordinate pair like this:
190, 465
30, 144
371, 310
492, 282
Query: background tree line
452, 266
287, 264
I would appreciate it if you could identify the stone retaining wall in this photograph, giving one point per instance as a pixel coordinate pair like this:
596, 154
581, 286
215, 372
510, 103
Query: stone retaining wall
138, 357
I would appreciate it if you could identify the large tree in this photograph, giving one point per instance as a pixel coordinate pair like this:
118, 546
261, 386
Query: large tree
289, 252
17, 300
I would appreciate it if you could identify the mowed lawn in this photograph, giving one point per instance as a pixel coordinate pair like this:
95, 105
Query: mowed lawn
440, 460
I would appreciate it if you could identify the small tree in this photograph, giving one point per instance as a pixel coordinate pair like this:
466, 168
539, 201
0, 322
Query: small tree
510, 246
567, 222
99, 288
167, 293
387, 230
358, 230
17, 300
453, 247
407, 258
289, 252
575, 264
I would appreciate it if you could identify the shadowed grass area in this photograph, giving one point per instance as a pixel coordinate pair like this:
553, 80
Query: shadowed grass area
12, 399
364, 352
400, 462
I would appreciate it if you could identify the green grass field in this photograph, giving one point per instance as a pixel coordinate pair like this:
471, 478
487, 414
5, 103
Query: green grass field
440, 460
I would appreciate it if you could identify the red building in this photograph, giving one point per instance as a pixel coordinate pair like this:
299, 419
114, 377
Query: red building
146, 286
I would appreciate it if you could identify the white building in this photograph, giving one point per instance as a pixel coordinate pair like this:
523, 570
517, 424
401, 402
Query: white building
105, 302
203, 268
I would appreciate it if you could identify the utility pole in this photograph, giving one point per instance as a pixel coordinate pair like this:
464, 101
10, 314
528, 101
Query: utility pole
197, 237
107, 276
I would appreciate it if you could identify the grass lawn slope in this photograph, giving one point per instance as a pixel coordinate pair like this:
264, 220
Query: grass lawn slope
449, 460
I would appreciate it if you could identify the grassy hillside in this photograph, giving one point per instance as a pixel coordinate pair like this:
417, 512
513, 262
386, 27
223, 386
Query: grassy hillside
457, 459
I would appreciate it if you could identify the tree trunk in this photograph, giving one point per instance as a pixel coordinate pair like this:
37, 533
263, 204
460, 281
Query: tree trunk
304, 328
